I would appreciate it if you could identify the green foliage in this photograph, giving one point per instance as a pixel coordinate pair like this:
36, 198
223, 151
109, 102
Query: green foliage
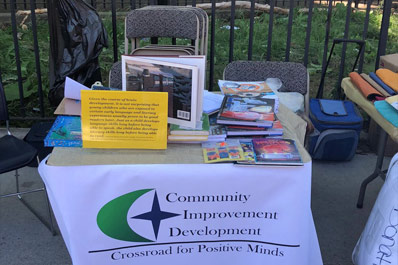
222, 35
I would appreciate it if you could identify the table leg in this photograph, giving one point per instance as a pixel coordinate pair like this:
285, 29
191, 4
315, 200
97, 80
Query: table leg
377, 171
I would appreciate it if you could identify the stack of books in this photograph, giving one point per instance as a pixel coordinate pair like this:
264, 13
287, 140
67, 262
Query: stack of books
181, 134
238, 130
249, 115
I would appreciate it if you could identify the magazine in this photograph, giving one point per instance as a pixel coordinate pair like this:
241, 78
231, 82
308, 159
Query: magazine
65, 132
249, 111
273, 151
225, 151
178, 80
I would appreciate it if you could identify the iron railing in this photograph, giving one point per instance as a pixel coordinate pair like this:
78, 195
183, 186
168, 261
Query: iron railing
115, 6
105, 5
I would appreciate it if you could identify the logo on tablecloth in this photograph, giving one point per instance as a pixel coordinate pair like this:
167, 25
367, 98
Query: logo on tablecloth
113, 221
206, 223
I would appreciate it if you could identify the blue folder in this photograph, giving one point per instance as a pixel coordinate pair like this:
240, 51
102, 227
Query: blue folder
382, 84
387, 111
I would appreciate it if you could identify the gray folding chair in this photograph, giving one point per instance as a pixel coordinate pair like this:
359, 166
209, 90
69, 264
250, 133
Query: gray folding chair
294, 76
203, 22
161, 22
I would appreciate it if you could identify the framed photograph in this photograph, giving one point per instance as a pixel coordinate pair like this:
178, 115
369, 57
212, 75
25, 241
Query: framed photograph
178, 80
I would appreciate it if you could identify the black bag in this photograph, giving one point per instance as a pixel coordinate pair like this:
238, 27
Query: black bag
77, 37
35, 137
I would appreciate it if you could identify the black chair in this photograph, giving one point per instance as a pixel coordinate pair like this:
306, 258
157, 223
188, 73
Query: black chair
16, 154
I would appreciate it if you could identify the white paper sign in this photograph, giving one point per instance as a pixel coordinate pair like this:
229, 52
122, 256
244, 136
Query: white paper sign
183, 214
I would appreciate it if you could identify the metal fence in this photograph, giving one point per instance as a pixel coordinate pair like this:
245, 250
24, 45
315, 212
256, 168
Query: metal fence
381, 49
106, 5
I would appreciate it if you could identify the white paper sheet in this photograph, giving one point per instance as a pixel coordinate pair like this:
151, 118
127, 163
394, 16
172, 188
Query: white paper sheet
73, 88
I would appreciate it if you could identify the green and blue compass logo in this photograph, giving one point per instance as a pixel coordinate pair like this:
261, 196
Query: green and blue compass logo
113, 217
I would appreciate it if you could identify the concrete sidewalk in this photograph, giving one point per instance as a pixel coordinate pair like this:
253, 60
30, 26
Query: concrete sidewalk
335, 186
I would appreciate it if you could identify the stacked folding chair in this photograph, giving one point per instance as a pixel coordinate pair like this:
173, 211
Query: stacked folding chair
167, 21
163, 22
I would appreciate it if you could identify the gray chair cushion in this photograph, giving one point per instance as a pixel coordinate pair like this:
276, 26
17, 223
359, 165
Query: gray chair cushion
197, 11
292, 75
172, 23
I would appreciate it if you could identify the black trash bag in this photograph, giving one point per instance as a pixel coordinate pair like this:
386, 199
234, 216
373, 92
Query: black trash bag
77, 37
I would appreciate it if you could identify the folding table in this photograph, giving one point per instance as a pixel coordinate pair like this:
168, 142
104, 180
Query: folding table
387, 129
168, 207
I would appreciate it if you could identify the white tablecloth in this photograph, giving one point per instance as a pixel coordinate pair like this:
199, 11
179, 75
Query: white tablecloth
167, 207
151, 214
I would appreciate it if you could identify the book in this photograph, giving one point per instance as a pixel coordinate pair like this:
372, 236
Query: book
249, 111
248, 88
234, 130
248, 150
194, 60
217, 133
181, 130
393, 101
225, 151
199, 138
273, 151
65, 132
180, 81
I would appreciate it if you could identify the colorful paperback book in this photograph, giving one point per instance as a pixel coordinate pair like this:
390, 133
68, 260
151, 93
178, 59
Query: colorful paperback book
225, 151
217, 133
236, 130
65, 132
248, 151
181, 130
250, 89
249, 111
273, 151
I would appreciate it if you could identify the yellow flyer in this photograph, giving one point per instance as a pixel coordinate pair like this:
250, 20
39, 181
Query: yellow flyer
124, 119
